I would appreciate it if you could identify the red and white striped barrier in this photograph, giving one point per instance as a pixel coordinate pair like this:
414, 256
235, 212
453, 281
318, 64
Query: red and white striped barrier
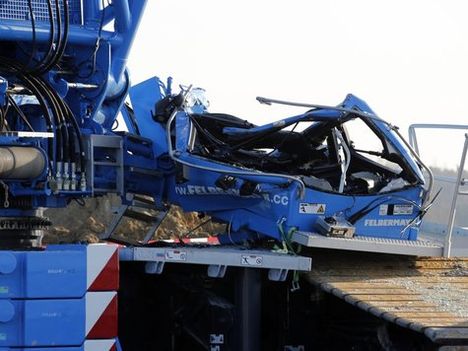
209, 240
102, 267
100, 345
101, 315
101, 299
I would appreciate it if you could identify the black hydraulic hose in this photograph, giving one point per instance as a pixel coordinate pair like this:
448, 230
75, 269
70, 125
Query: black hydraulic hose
65, 143
47, 58
52, 143
47, 100
53, 105
62, 120
59, 118
63, 117
72, 144
31, 83
207, 134
68, 142
65, 31
58, 17
62, 40
72, 132
79, 137
34, 41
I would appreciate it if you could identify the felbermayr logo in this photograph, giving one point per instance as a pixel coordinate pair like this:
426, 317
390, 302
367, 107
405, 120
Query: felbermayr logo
210, 190
386, 222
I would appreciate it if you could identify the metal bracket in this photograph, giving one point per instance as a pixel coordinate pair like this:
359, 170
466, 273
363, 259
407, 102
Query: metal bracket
278, 275
154, 267
216, 271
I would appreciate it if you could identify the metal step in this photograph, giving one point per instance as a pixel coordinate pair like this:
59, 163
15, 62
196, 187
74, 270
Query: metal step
137, 202
140, 216
370, 244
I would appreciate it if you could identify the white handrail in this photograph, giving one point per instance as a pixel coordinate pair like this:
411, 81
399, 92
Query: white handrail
459, 179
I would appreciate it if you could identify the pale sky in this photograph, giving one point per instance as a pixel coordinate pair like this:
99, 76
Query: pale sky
406, 58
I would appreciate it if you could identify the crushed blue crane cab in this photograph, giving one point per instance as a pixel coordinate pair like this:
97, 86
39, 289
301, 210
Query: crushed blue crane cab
296, 173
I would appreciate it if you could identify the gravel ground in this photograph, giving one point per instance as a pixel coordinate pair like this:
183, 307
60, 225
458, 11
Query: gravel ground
448, 297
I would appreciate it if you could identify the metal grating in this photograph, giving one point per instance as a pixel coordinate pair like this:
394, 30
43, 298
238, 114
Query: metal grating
18, 10
370, 244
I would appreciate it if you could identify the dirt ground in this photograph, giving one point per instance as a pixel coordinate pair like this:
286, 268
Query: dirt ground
84, 222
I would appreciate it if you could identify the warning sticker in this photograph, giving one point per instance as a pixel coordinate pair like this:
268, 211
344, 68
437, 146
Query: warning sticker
309, 208
176, 255
251, 260
403, 209
383, 210
395, 210
3, 337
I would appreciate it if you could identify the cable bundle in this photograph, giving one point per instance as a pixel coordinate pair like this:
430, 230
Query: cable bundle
59, 118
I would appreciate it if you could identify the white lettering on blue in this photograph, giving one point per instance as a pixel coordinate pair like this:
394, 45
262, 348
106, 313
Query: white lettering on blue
190, 189
386, 222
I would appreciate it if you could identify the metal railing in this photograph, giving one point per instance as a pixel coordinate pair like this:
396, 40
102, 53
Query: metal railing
459, 181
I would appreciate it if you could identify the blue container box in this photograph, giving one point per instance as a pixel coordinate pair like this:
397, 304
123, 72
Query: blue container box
36, 323
57, 272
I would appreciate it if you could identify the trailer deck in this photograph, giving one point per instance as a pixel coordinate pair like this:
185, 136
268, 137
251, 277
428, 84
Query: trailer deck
427, 295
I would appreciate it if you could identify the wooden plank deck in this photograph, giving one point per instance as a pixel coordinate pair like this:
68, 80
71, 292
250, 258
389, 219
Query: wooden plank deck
428, 295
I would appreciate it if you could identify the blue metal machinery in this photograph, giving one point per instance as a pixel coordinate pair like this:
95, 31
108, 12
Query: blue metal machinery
271, 181
313, 180
63, 82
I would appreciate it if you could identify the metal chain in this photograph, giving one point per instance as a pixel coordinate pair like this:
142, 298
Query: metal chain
6, 204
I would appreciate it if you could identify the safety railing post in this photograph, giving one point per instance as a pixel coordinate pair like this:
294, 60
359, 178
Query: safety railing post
453, 209
458, 182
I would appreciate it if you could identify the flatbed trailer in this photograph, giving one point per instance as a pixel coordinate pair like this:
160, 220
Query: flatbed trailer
195, 297
427, 295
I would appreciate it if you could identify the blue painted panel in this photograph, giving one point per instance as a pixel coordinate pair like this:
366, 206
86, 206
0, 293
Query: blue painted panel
54, 273
43, 323
144, 97
263, 210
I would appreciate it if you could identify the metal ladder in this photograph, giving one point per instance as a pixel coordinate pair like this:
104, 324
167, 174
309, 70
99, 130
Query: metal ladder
130, 210
113, 149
